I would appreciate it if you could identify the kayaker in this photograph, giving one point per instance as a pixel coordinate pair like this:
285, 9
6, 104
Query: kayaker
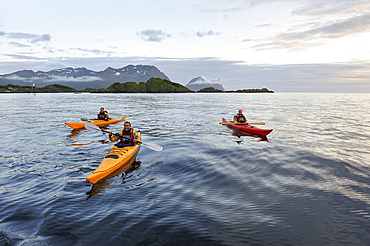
240, 118
103, 115
127, 136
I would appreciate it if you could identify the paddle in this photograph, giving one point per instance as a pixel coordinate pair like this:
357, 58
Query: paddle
84, 119
229, 123
93, 127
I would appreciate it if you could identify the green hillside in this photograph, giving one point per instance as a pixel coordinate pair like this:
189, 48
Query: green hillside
55, 88
153, 85
210, 89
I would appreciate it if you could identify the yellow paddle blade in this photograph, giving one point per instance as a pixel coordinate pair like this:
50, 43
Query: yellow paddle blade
229, 123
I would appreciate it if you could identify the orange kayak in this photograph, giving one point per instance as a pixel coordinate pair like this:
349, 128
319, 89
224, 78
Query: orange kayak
81, 125
118, 159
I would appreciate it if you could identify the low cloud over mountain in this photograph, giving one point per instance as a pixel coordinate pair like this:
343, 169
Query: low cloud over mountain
201, 82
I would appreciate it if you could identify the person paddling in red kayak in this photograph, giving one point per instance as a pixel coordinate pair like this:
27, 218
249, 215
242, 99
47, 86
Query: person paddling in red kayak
103, 115
240, 118
127, 136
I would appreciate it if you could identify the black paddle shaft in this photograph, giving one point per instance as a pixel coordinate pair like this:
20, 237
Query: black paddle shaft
120, 136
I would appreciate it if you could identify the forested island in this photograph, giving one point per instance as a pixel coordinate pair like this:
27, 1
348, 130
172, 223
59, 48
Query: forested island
153, 85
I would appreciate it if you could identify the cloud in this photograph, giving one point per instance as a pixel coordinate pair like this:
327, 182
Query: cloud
238, 9
344, 7
72, 79
15, 77
302, 7
153, 35
207, 33
33, 38
266, 25
318, 34
201, 80
93, 51
16, 44
21, 35
23, 57
54, 79
43, 38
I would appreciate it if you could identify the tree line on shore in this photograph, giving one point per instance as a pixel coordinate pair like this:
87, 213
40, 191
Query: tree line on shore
153, 85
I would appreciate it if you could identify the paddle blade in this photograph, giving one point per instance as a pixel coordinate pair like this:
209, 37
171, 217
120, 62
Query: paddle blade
91, 127
154, 147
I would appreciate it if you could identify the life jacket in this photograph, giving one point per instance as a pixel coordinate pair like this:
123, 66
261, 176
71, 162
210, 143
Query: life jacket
240, 118
103, 116
126, 140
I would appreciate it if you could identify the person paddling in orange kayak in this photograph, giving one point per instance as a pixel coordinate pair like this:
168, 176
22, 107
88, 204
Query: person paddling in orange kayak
103, 115
127, 136
240, 118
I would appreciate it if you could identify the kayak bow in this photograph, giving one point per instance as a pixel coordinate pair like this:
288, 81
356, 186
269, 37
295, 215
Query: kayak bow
248, 128
119, 157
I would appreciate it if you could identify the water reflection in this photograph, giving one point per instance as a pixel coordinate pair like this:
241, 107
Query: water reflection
245, 134
241, 134
75, 133
77, 140
81, 143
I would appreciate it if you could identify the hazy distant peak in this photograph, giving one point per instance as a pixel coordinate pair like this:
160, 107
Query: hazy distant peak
201, 82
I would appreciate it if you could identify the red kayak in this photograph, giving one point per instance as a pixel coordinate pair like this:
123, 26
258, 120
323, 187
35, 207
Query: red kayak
249, 128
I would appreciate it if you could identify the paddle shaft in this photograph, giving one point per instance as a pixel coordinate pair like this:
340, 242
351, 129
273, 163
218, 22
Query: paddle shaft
93, 127
232, 123
85, 119
116, 134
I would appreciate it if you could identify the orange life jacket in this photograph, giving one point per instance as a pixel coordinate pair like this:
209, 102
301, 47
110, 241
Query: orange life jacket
126, 140
240, 118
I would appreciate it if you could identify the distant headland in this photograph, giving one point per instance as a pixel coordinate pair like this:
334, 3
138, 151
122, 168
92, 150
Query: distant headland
153, 85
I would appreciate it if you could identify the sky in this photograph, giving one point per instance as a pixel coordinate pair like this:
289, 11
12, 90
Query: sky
282, 45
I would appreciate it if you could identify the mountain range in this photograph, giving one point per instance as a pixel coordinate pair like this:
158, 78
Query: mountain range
202, 82
81, 78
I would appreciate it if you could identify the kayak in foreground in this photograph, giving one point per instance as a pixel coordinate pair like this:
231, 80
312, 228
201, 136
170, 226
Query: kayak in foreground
248, 128
81, 125
119, 157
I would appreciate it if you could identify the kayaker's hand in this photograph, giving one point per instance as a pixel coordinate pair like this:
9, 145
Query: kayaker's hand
135, 141
110, 133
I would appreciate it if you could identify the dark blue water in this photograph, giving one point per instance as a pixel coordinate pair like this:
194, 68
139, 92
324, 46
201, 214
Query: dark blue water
308, 183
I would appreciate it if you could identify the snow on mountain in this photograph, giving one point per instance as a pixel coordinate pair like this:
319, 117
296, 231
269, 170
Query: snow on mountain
201, 82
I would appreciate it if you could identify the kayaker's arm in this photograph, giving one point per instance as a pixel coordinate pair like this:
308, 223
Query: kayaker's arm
135, 137
114, 136
107, 117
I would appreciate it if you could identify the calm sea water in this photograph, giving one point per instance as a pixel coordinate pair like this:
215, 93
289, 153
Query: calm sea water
308, 183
